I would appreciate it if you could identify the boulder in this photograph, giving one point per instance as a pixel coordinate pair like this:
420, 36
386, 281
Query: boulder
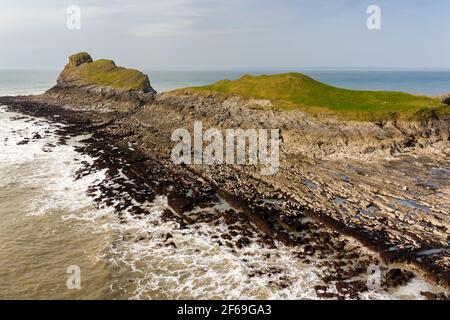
79, 58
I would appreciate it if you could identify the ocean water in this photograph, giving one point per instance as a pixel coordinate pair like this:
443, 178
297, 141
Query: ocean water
24, 82
417, 82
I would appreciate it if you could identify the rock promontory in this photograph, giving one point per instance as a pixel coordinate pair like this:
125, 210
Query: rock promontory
103, 78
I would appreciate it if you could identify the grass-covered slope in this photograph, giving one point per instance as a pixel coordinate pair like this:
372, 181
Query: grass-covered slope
295, 90
82, 70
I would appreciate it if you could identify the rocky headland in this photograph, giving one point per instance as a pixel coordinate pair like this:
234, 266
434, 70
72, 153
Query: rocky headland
86, 78
381, 178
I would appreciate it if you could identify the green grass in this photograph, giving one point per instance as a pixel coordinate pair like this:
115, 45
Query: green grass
295, 90
105, 73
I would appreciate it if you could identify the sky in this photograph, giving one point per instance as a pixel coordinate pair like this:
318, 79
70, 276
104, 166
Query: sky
227, 34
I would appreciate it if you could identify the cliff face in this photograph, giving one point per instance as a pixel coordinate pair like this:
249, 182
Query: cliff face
318, 137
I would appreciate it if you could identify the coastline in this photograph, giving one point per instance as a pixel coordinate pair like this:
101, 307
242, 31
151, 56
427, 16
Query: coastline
280, 220
361, 178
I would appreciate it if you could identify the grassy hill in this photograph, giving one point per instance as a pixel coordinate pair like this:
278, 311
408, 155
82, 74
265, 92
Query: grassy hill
105, 72
82, 70
295, 90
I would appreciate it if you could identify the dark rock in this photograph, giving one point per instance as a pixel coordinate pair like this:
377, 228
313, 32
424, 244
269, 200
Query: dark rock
179, 202
226, 236
433, 296
397, 277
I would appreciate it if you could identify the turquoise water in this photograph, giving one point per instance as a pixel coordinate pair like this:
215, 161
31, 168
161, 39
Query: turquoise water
419, 82
17, 82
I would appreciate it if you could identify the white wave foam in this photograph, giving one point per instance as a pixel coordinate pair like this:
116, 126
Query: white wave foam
42, 159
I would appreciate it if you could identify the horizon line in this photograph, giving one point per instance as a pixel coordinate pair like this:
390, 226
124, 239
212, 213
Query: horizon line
255, 69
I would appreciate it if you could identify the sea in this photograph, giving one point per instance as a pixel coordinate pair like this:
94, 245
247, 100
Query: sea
57, 243
424, 82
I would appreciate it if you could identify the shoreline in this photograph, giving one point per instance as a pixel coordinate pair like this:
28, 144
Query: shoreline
278, 223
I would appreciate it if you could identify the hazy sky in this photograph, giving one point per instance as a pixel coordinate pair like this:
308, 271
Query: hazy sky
227, 34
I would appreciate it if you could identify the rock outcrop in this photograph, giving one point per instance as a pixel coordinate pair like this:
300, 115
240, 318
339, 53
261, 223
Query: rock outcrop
305, 135
104, 79
446, 99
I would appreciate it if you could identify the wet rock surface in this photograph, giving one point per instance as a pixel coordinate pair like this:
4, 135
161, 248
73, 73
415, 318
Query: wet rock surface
320, 203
